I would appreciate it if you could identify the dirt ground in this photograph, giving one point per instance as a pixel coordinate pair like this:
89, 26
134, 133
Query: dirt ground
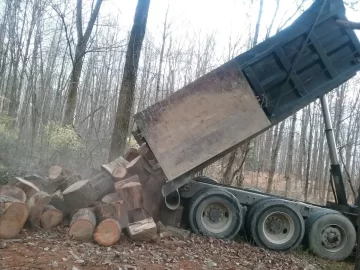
54, 250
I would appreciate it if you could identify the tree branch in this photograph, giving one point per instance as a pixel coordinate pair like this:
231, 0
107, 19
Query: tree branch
62, 17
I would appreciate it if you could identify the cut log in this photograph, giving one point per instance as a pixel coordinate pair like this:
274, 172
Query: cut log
53, 185
112, 197
152, 197
79, 195
51, 217
120, 173
171, 217
13, 215
131, 154
137, 167
108, 232
110, 167
103, 184
57, 200
144, 230
146, 153
116, 211
28, 187
14, 192
130, 179
136, 215
82, 225
69, 181
131, 194
55, 173
36, 204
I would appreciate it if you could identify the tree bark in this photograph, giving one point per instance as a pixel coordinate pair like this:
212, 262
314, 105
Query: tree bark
289, 161
274, 155
127, 91
82, 225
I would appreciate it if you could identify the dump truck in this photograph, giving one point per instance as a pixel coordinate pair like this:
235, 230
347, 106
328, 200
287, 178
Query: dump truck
215, 114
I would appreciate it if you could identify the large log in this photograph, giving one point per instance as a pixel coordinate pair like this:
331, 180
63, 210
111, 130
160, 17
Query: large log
112, 197
13, 215
131, 194
120, 173
51, 217
137, 167
108, 232
79, 195
82, 225
14, 192
55, 173
152, 196
120, 184
111, 166
28, 187
103, 184
57, 200
69, 181
136, 215
116, 211
36, 204
131, 154
144, 230
146, 153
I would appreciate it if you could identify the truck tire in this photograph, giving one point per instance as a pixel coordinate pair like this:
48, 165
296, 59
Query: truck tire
250, 213
205, 179
217, 213
276, 225
330, 235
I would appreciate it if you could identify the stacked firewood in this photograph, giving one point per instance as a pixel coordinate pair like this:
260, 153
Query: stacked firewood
122, 196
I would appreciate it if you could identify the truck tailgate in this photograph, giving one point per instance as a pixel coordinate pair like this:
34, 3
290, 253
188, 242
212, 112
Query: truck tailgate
257, 89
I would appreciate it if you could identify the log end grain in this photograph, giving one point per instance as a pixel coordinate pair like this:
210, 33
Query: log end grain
13, 219
51, 217
14, 192
82, 225
108, 232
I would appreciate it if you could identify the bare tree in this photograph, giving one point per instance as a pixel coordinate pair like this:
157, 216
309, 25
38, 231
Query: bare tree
289, 160
78, 58
127, 90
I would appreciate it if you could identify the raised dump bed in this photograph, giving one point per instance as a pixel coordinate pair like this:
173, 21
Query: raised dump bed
240, 99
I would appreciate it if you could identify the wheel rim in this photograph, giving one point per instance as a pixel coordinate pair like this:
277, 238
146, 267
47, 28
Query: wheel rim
333, 238
216, 217
278, 228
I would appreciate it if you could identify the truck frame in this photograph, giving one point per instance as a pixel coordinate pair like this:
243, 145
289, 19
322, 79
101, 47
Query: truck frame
212, 116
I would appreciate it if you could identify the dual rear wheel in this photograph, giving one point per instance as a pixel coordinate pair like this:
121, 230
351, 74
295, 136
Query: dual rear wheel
272, 224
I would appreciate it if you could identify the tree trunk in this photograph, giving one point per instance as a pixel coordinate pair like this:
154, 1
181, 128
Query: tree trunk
78, 59
127, 91
274, 155
308, 164
289, 161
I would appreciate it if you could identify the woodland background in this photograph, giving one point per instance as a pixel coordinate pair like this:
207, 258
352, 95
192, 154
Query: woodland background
39, 40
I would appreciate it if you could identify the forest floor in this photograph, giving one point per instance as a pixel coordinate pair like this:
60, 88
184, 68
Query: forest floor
54, 250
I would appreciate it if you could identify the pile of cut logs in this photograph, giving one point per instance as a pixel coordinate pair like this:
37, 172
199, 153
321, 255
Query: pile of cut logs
124, 194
